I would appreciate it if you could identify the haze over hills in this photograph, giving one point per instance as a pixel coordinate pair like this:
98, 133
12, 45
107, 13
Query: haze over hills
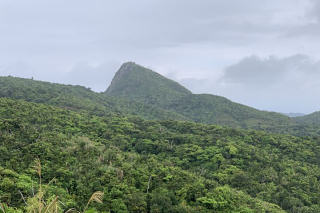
294, 114
139, 91
136, 82
311, 119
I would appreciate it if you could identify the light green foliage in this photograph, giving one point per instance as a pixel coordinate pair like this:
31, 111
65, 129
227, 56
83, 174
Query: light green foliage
155, 166
92, 143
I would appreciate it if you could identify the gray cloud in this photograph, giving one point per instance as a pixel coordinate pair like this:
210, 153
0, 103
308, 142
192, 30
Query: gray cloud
270, 83
97, 77
83, 42
314, 10
309, 24
257, 72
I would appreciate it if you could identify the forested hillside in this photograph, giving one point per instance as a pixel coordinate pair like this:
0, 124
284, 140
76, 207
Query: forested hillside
134, 82
311, 119
138, 83
82, 133
203, 108
212, 109
78, 98
155, 166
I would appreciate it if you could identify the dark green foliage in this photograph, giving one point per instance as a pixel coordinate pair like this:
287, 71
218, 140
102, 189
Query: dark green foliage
78, 98
176, 103
154, 166
137, 83
96, 142
141, 84
311, 119
207, 108
212, 109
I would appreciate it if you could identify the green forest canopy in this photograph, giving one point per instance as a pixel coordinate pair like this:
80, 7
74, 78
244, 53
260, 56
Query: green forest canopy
199, 108
143, 151
191, 167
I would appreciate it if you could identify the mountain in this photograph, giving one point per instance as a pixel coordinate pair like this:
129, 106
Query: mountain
87, 142
311, 119
141, 84
78, 98
151, 166
174, 102
138, 83
213, 109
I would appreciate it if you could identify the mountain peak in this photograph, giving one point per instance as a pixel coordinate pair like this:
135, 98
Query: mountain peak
128, 65
125, 68
136, 82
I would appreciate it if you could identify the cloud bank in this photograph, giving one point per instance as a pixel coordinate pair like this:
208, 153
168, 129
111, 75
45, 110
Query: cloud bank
212, 46
271, 83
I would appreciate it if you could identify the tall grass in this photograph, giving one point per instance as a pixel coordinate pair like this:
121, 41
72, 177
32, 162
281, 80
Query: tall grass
38, 204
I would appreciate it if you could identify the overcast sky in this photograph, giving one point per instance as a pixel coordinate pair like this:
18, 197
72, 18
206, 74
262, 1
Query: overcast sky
265, 54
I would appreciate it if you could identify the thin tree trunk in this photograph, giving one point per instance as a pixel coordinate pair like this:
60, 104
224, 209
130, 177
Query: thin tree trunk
149, 184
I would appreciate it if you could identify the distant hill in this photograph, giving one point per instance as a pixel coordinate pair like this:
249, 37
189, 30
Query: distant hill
88, 141
78, 98
136, 82
141, 84
293, 115
207, 108
311, 119
141, 92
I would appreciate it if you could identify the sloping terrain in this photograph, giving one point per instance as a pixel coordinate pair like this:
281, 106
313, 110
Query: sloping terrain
78, 98
153, 166
311, 119
139, 83
89, 142
182, 105
136, 83
213, 109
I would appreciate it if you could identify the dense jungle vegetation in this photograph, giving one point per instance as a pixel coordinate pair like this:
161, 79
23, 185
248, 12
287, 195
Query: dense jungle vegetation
152, 166
78, 98
148, 144
202, 108
137, 83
